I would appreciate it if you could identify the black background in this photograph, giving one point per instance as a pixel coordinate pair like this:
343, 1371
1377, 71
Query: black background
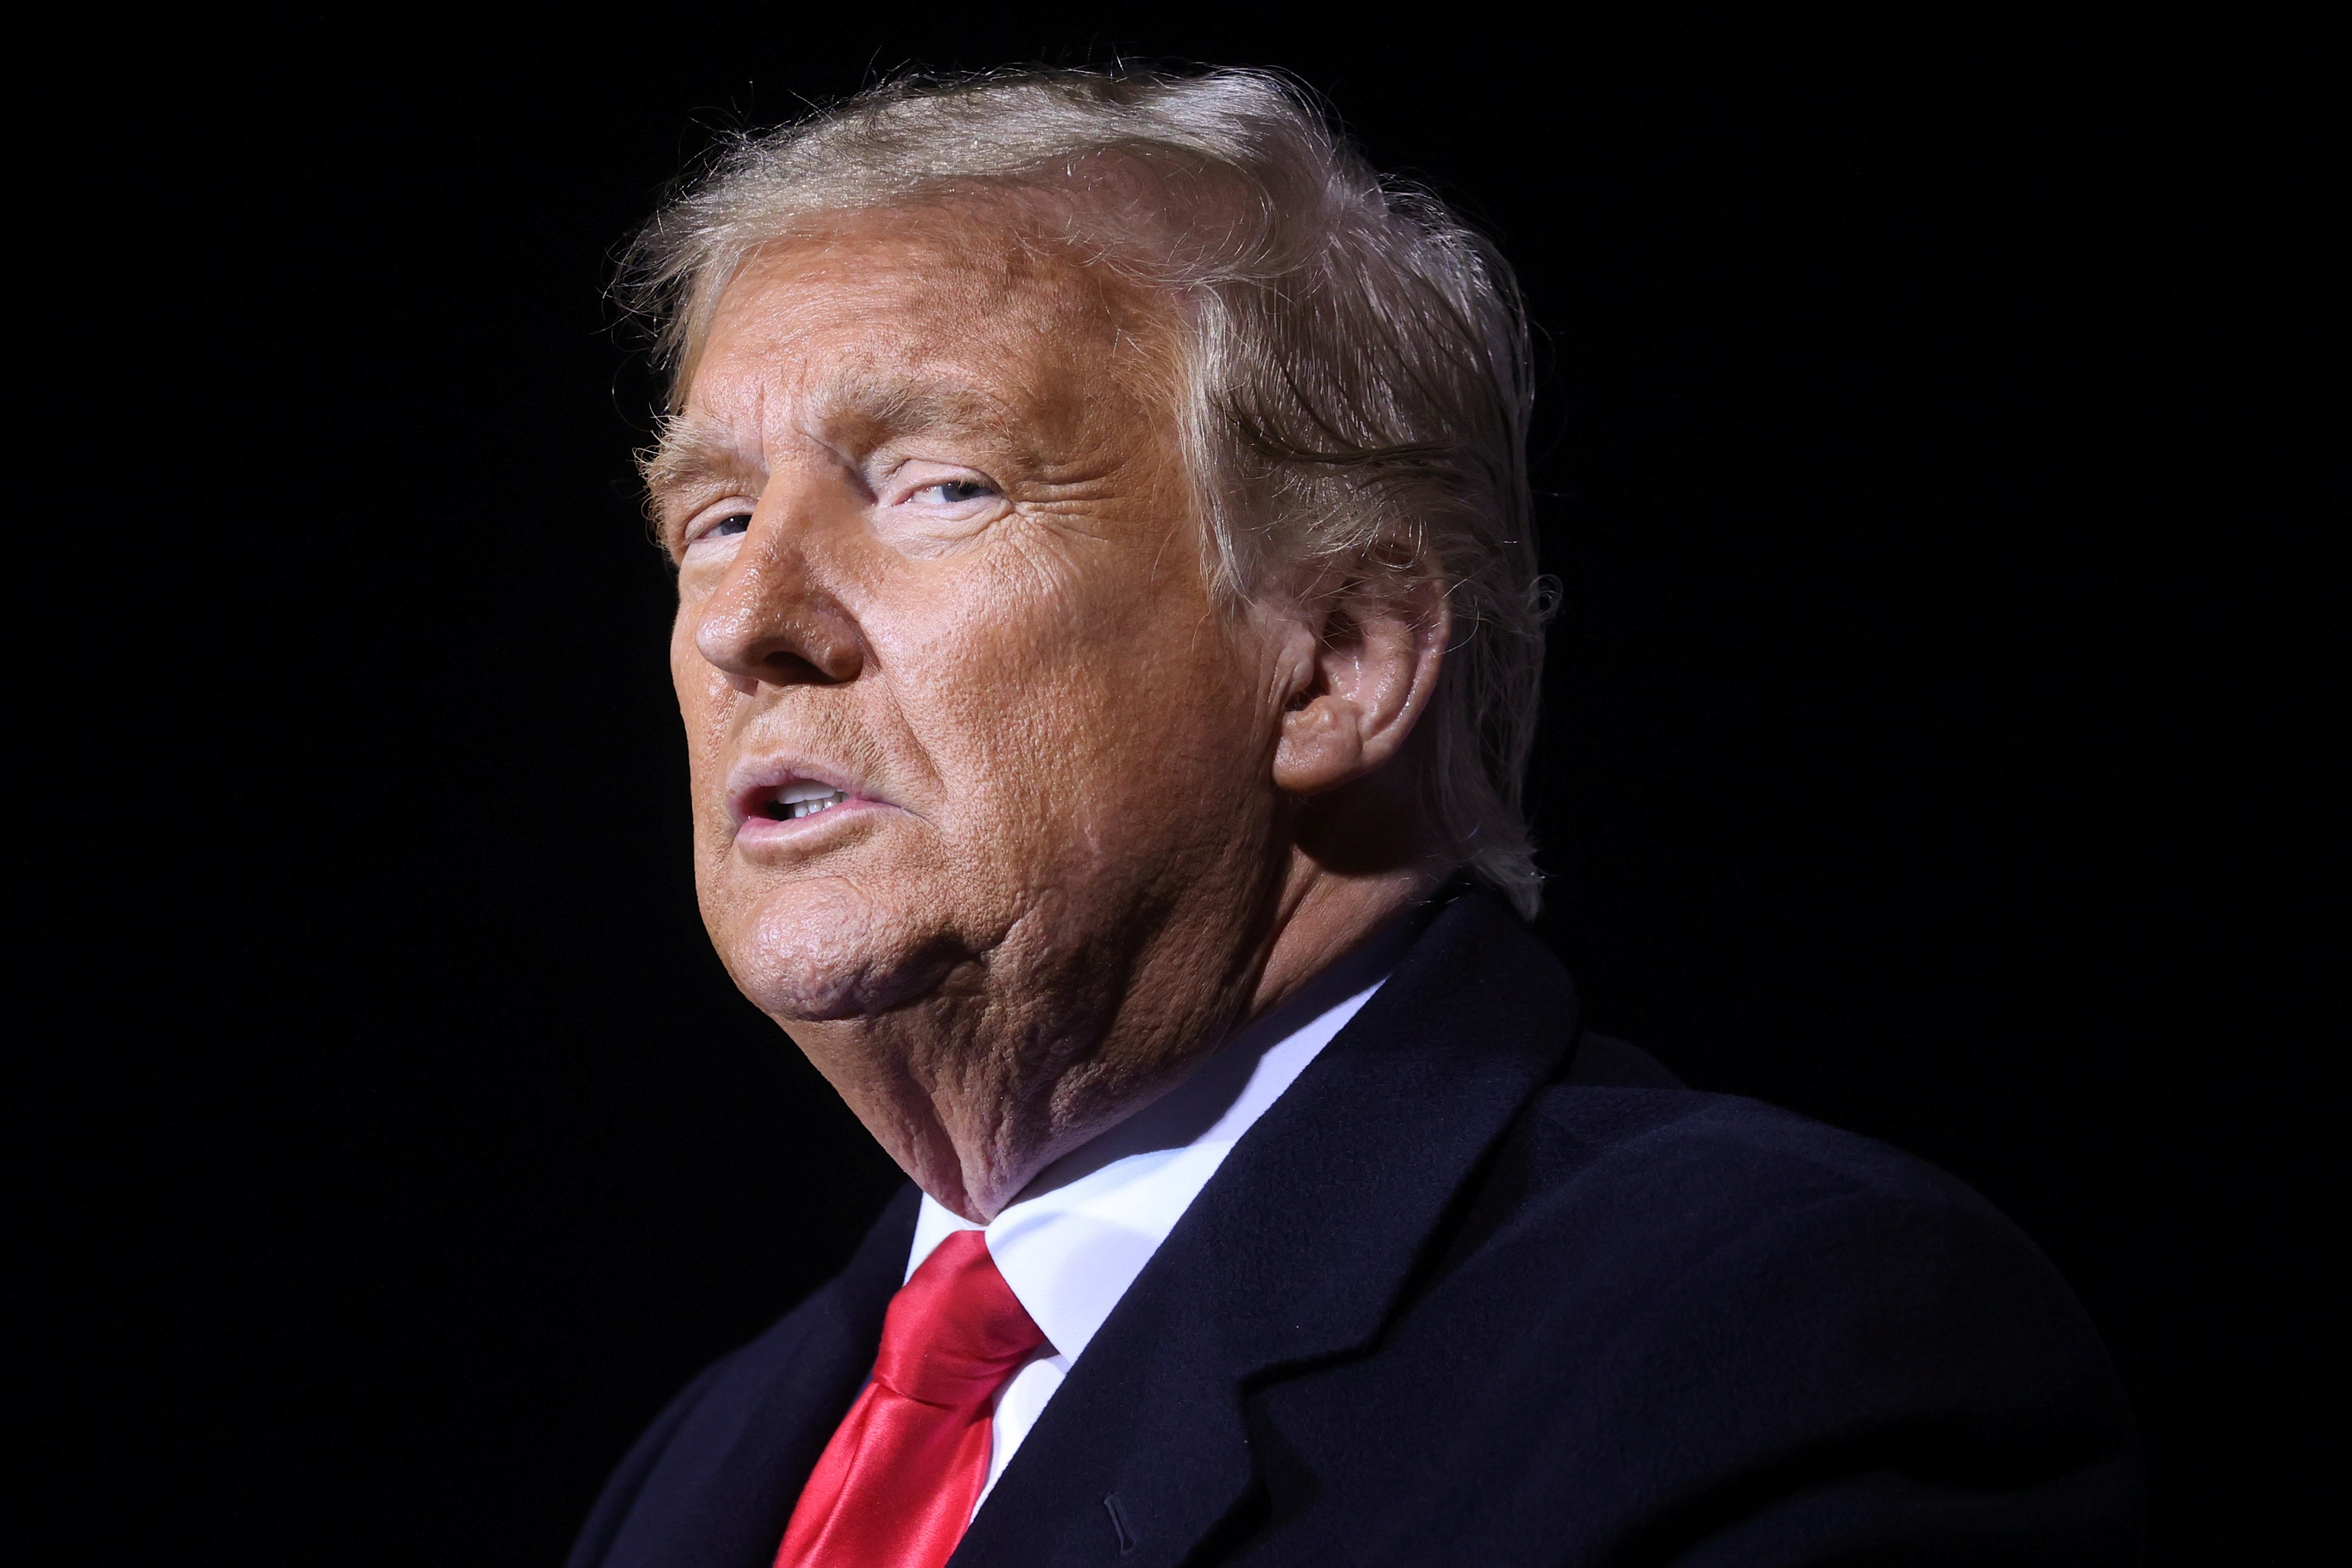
1929, 448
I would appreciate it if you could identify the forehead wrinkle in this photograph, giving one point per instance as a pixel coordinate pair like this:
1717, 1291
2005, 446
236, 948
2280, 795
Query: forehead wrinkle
892, 301
900, 403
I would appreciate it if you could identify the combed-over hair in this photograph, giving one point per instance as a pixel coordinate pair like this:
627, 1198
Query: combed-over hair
1357, 360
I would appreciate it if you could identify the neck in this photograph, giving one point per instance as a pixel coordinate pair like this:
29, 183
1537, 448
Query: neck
974, 1118
1320, 918
1326, 914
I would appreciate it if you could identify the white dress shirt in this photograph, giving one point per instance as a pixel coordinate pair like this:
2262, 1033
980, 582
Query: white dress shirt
1079, 1233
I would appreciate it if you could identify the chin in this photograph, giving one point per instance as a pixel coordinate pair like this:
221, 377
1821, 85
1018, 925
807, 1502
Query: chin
819, 952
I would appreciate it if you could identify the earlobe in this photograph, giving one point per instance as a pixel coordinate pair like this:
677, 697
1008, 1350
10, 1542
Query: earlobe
1321, 746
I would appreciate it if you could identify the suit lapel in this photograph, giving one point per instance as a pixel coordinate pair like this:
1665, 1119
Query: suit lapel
1296, 1252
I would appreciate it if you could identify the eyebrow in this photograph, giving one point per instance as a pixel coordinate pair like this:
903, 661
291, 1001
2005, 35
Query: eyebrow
694, 451
691, 451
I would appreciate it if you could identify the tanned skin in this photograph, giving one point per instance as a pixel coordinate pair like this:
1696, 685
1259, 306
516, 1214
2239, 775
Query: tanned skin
938, 551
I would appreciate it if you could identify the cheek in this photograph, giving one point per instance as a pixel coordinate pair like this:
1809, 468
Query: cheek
1098, 723
704, 701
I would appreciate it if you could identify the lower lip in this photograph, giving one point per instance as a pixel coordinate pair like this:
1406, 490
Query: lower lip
757, 829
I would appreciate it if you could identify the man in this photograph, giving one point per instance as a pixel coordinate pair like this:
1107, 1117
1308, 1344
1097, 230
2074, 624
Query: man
1107, 636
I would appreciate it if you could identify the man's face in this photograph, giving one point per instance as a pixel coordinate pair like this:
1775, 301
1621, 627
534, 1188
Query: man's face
965, 721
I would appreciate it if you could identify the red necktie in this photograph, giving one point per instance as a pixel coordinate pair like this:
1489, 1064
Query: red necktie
898, 1483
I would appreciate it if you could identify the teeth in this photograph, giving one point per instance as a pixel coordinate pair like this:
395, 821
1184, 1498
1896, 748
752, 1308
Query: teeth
809, 807
802, 798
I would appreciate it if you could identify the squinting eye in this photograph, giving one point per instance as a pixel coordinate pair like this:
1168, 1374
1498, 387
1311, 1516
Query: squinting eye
955, 492
733, 523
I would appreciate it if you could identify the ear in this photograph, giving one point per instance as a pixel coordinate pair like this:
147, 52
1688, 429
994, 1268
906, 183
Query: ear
1361, 678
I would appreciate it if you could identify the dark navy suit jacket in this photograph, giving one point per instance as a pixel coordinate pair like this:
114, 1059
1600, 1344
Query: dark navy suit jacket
1485, 1289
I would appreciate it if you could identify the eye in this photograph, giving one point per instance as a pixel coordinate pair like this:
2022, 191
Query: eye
953, 492
718, 525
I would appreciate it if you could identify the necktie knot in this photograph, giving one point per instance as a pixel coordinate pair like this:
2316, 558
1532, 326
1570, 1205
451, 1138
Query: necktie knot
956, 1331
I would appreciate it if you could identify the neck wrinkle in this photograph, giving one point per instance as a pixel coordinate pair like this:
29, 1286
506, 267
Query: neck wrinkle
1178, 1115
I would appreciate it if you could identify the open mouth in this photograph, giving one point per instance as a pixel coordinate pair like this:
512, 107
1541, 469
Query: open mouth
805, 799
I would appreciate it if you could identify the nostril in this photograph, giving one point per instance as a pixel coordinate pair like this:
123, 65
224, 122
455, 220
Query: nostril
786, 668
779, 645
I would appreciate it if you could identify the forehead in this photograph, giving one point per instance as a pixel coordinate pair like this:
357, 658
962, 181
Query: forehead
934, 314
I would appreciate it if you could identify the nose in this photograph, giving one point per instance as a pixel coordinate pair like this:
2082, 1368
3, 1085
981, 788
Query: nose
771, 620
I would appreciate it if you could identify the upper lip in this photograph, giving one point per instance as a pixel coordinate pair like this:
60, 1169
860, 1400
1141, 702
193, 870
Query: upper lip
754, 781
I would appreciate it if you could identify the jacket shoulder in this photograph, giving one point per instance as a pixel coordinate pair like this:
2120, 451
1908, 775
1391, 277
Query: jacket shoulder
1686, 1194
1641, 1124
1744, 1315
